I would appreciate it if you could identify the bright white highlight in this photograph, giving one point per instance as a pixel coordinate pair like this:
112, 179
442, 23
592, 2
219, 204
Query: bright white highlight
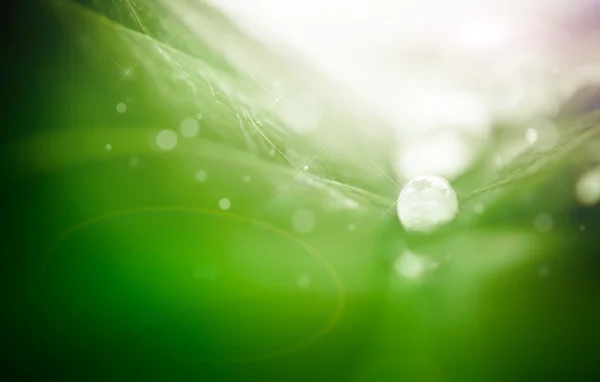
426, 202
447, 154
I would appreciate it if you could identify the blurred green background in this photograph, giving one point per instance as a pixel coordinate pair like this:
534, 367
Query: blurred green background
122, 261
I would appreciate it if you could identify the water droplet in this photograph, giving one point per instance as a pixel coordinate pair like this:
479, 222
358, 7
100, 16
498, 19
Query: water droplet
426, 202
108, 146
303, 221
351, 227
166, 139
121, 107
199, 116
246, 178
582, 228
224, 204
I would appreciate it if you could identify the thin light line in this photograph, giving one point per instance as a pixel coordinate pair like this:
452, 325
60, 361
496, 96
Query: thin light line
384, 173
381, 217
118, 82
299, 171
272, 106
116, 63
266, 138
259, 83
319, 152
281, 192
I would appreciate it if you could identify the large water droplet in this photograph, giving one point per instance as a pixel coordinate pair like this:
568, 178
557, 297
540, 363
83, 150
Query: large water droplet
426, 202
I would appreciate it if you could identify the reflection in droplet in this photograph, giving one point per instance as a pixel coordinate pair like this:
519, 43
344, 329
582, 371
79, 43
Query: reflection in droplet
426, 202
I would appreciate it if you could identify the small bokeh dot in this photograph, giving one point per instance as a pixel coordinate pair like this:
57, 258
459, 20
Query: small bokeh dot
121, 107
224, 204
201, 175
166, 139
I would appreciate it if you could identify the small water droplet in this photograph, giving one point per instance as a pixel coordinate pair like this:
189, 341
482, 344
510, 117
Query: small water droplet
426, 202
